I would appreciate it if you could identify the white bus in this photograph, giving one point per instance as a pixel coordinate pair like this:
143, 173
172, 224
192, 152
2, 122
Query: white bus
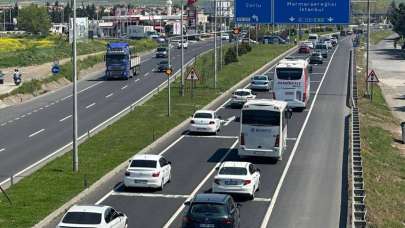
263, 128
314, 38
292, 82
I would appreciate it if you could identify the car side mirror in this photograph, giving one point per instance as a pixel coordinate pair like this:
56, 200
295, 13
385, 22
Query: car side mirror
219, 117
257, 170
187, 203
169, 162
120, 214
129, 161
217, 168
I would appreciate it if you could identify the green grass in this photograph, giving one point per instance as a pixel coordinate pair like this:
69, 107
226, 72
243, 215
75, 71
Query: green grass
61, 49
383, 165
376, 37
47, 189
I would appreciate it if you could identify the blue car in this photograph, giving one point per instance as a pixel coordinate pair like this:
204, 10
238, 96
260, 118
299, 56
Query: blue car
211, 210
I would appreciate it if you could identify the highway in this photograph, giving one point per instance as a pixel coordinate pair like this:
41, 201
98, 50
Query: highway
306, 189
33, 130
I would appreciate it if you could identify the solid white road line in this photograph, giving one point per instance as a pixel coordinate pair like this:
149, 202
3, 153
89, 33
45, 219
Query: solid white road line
180, 209
291, 139
2, 149
152, 195
109, 95
67, 117
284, 174
223, 105
90, 105
171, 145
81, 91
315, 81
36, 133
229, 120
212, 136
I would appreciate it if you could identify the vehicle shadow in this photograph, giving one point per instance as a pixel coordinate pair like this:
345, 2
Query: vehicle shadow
120, 188
239, 198
394, 54
233, 156
344, 205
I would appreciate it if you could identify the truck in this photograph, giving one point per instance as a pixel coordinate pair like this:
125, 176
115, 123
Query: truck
121, 62
139, 31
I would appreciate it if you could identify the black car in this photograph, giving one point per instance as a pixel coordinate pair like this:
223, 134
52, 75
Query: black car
163, 65
316, 58
211, 210
161, 52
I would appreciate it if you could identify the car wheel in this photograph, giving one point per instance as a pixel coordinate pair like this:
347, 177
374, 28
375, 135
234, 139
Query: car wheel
252, 195
170, 178
162, 184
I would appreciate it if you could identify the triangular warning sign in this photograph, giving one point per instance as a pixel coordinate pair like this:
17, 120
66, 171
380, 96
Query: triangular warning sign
192, 75
372, 77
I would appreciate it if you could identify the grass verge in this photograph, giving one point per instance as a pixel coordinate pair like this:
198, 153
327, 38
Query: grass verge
34, 52
376, 37
50, 187
384, 160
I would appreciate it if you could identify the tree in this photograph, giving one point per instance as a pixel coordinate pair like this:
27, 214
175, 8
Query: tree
34, 19
397, 18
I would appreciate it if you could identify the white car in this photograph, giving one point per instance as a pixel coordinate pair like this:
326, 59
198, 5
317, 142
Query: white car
148, 171
205, 121
308, 44
240, 96
225, 36
95, 216
237, 177
260, 82
184, 43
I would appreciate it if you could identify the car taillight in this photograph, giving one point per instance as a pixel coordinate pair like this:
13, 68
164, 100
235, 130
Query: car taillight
234, 96
246, 182
192, 121
127, 173
277, 141
155, 174
217, 181
227, 221
187, 219
212, 122
242, 139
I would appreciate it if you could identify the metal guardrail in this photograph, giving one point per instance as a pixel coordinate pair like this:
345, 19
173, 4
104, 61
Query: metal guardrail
359, 211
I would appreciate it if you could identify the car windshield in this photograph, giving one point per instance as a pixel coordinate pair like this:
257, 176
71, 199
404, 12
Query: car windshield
289, 73
261, 117
143, 163
233, 171
260, 78
82, 218
203, 115
242, 93
161, 49
202, 209
320, 46
316, 54
164, 62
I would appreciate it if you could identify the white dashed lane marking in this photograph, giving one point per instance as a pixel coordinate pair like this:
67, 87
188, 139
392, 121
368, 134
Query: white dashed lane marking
36, 133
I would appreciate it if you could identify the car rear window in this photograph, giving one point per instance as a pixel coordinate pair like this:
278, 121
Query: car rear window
233, 171
203, 115
161, 49
260, 78
82, 218
289, 73
204, 209
242, 93
261, 117
143, 163
320, 46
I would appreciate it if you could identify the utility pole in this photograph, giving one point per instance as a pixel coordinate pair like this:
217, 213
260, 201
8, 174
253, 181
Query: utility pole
220, 22
215, 44
75, 146
368, 48
168, 81
182, 48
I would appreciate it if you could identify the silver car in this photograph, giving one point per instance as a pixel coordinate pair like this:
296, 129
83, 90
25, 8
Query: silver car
260, 82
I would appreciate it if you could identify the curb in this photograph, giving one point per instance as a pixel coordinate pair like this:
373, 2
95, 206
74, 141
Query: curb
174, 131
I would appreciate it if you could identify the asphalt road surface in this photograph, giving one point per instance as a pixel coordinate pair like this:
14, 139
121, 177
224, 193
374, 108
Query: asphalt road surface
306, 189
33, 130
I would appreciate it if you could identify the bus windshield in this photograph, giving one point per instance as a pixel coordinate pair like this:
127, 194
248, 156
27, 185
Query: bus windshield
289, 73
115, 58
261, 117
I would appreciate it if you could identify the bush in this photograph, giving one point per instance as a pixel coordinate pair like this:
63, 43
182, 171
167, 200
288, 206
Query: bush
230, 56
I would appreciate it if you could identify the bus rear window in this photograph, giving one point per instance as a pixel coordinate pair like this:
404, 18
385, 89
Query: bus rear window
289, 73
260, 118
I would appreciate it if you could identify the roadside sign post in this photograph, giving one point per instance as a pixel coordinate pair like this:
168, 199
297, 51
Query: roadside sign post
55, 69
168, 73
192, 77
372, 78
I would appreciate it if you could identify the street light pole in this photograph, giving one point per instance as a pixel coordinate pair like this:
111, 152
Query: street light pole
75, 146
215, 44
168, 81
220, 22
182, 49
368, 47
